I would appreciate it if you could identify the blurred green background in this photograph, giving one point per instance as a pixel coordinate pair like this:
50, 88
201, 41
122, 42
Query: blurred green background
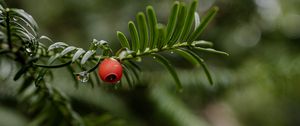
257, 85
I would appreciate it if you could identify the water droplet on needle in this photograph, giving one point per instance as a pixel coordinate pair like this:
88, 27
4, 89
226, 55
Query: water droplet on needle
29, 51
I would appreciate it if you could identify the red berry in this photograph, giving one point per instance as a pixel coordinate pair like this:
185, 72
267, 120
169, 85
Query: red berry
110, 70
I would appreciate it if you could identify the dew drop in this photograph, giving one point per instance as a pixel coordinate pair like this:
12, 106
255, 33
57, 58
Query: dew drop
83, 76
172, 52
29, 51
154, 57
15, 19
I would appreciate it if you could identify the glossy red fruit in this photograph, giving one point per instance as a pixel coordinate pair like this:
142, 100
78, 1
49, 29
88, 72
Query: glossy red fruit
110, 70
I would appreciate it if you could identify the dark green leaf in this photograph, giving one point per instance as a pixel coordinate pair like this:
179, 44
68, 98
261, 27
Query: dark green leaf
202, 43
143, 30
122, 38
202, 63
172, 21
127, 76
187, 56
135, 66
210, 50
207, 18
188, 21
135, 42
161, 36
133, 70
180, 24
152, 21
170, 68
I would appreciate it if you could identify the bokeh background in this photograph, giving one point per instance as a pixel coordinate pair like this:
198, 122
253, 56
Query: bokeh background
257, 85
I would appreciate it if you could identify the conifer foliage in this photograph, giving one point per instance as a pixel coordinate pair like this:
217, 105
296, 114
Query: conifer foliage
20, 42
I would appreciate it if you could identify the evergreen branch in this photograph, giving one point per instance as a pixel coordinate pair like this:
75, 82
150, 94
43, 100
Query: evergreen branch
176, 46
